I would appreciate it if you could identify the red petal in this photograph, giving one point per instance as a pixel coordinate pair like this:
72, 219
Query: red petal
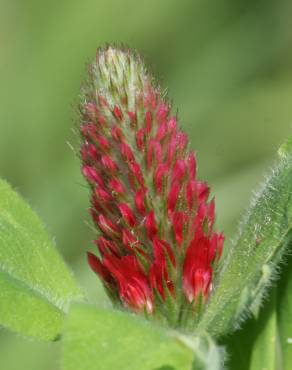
107, 225
173, 197
192, 164
159, 176
166, 247
102, 194
140, 201
154, 151
197, 271
171, 150
134, 289
179, 170
127, 214
171, 124
97, 266
150, 224
216, 247
161, 132
117, 113
126, 152
129, 240
108, 163
136, 171
191, 194
133, 118
103, 143
158, 274
150, 100
203, 191
92, 175
200, 283
140, 138
89, 153
117, 134
116, 186
101, 120
182, 141
148, 122
162, 112
180, 220
106, 246
89, 131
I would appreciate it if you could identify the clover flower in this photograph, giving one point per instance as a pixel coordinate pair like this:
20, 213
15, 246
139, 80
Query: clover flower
157, 250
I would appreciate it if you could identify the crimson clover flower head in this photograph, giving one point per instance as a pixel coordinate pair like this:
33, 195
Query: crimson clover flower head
157, 251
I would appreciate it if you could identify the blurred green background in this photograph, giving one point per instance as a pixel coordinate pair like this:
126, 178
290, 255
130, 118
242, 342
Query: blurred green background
226, 63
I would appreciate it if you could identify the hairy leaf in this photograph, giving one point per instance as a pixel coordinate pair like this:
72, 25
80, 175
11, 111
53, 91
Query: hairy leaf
100, 339
35, 284
250, 263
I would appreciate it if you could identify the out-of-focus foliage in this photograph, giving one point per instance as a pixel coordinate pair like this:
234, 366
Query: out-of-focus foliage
227, 65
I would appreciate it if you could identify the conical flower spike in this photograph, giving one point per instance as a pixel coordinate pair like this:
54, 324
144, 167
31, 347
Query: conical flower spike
158, 251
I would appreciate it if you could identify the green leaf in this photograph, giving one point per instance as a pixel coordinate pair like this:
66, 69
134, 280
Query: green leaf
35, 284
250, 263
284, 313
264, 354
256, 345
286, 148
265, 342
103, 339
